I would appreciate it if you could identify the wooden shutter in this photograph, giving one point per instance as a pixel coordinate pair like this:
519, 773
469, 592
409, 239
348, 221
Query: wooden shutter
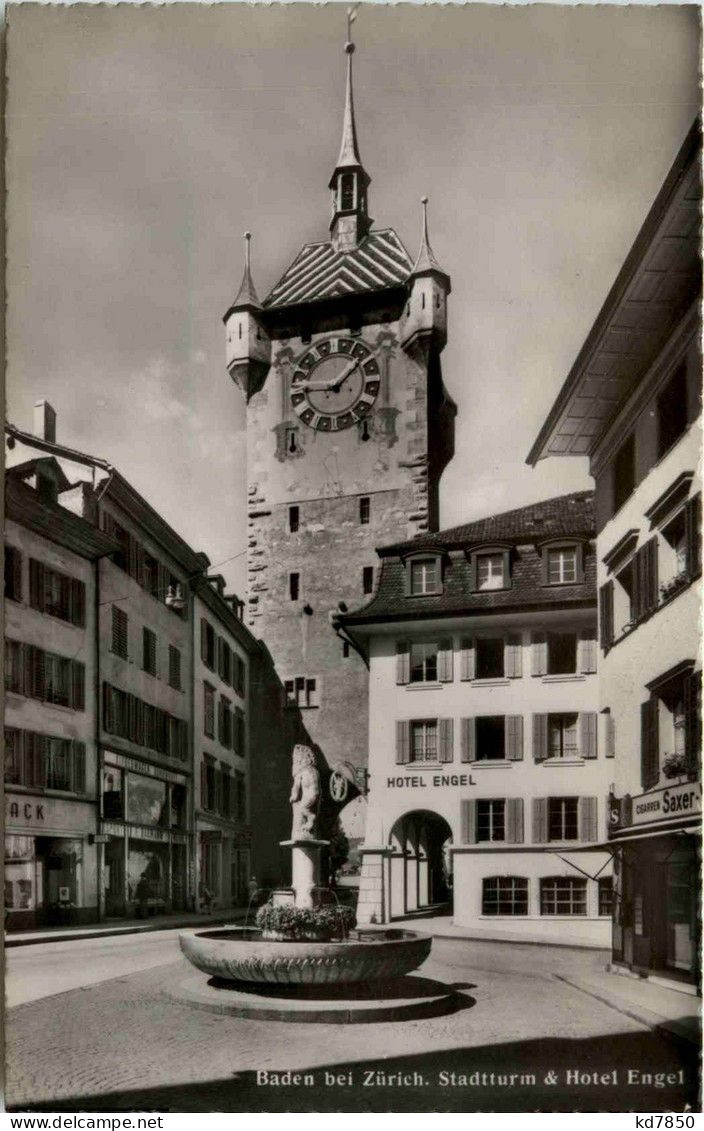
587, 734
514, 820
610, 735
649, 745
403, 661
16, 566
540, 820
26, 660
692, 721
514, 737
447, 739
539, 654
468, 821
78, 686
78, 602
540, 737
36, 584
403, 741
139, 722
692, 521
513, 656
204, 640
588, 819
445, 661
587, 651
78, 766
38, 673
606, 614
467, 658
108, 720
647, 591
203, 785
468, 744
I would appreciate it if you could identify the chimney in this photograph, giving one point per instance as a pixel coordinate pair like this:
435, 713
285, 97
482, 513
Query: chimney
45, 421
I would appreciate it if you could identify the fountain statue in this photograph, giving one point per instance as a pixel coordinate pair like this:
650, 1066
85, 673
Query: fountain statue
301, 938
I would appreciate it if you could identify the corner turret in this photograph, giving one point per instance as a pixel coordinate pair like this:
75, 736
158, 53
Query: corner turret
248, 344
424, 322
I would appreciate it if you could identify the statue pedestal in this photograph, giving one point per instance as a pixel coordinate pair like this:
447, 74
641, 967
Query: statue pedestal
305, 869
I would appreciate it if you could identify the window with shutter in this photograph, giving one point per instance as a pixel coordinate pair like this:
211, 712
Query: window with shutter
649, 751
539, 653
403, 740
78, 685
174, 667
13, 757
606, 614
540, 820
445, 661
693, 527
209, 710
514, 737
540, 737
491, 819
588, 734
119, 632
514, 820
468, 821
36, 584
15, 659
467, 658
447, 752
587, 651
693, 721
513, 656
490, 735
149, 651
561, 653
79, 767
610, 735
468, 751
588, 819
13, 573
403, 663
563, 818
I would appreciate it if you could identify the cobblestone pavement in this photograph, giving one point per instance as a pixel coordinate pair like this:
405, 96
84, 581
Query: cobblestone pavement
125, 1045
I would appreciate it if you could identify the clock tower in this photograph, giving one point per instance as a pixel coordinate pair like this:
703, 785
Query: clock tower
349, 429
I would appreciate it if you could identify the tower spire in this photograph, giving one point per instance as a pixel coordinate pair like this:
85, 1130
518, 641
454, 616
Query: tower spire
425, 260
246, 295
349, 182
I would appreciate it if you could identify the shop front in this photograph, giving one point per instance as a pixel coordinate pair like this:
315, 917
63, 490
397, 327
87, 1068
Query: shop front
657, 862
144, 842
224, 873
50, 861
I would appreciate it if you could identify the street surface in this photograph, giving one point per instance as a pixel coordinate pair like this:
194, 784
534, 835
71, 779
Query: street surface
94, 1027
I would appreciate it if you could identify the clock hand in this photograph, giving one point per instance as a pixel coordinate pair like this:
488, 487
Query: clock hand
337, 381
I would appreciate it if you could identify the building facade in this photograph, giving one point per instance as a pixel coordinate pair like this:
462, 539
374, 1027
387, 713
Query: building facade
632, 403
51, 703
489, 764
129, 662
222, 649
349, 428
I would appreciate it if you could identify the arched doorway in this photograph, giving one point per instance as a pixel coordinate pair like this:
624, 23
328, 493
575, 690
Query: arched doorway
420, 863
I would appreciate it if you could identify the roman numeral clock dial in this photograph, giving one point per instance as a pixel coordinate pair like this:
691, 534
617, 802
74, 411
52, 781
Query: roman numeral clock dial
335, 384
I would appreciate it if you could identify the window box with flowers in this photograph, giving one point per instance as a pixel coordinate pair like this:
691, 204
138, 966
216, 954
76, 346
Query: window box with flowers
674, 766
673, 586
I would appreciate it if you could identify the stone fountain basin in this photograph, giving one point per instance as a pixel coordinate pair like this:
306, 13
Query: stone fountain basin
240, 954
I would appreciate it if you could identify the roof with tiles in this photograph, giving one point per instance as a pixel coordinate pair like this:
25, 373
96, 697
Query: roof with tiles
319, 271
24, 506
524, 529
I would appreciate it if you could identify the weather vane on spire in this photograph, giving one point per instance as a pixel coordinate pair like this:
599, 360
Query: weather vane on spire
351, 17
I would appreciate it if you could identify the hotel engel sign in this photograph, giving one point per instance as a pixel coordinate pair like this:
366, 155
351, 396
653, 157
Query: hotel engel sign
665, 804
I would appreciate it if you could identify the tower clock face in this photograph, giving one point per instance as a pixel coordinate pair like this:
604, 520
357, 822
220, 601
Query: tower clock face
335, 383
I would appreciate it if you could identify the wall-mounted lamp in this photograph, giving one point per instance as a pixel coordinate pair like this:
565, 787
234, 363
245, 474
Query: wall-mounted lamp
174, 598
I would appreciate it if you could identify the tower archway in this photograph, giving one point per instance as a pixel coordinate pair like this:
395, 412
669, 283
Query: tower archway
420, 864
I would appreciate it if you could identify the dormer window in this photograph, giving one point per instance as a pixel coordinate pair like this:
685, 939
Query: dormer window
490, 569
423, 576
563, 564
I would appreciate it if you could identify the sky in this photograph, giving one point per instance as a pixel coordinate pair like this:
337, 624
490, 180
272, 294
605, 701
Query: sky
142, 141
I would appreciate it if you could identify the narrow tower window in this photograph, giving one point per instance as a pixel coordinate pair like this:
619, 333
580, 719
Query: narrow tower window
293, 519
364, 510
294, 585
347, 191
367, 579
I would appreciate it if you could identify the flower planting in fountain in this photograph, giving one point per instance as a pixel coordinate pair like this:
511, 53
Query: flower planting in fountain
299, 924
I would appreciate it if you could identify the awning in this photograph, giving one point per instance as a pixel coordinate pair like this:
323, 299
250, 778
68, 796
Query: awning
619, 841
